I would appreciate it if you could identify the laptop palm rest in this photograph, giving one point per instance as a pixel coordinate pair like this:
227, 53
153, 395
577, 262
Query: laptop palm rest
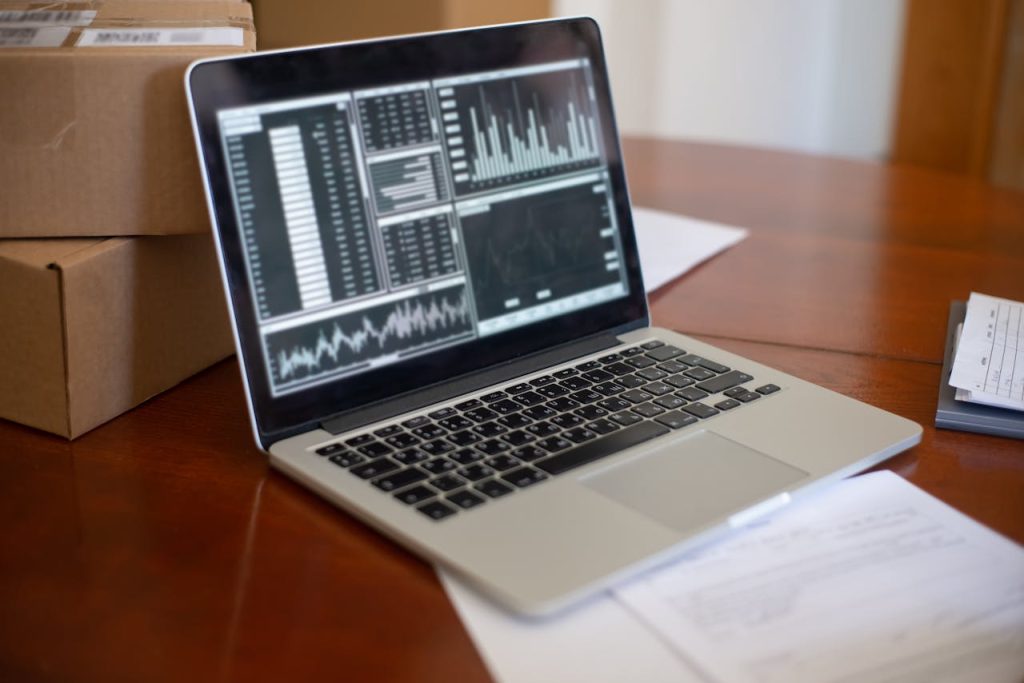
704, 477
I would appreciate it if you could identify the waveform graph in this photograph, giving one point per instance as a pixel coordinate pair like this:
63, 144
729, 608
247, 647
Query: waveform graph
373, 336
520, 126
539, 248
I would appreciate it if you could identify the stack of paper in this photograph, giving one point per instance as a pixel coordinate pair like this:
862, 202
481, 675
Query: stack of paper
988, 365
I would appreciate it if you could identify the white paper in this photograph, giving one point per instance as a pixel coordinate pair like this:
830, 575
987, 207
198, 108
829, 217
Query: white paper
989, 361
671, 244
160, 37
600, 642
872, 580
33, 36
39, 17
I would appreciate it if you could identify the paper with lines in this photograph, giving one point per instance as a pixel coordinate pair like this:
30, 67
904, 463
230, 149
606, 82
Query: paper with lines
873, 581
989, 362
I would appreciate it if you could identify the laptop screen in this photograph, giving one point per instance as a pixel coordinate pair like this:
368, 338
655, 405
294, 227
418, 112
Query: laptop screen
464, 214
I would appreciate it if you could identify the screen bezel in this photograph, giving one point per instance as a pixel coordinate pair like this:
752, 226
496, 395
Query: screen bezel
216, 84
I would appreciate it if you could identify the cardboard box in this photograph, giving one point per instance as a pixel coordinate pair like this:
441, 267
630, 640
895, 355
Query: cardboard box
90, 328
286, 23
96, 141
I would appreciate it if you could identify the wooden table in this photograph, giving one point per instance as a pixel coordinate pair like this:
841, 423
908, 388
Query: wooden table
161, 547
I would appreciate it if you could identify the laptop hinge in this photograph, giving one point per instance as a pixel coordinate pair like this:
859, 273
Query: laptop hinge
471, 382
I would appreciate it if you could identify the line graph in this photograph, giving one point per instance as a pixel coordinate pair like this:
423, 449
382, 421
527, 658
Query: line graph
379, 334
527, 127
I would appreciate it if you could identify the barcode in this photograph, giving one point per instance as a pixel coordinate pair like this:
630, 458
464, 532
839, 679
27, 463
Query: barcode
46, 17
126, 37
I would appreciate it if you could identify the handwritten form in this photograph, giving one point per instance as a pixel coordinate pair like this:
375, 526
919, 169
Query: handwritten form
989, 362
873, 581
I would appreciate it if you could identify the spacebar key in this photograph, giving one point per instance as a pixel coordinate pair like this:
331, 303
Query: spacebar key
608, 445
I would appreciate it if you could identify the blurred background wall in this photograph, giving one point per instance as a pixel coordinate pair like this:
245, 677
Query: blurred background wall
938, 83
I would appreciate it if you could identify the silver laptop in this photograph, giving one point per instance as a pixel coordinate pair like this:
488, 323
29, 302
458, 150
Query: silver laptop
432, 271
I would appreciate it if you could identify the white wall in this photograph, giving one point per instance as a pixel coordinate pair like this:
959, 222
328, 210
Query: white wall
811, 75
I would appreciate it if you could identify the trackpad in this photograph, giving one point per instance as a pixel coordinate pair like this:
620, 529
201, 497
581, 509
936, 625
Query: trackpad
686, 485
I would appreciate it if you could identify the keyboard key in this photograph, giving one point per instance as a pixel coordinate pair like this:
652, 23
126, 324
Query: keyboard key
414, 422
447, 482
437, 447
736, 391
374, 468
553, 391
468, 405
568, 420
465, 499
493, 396
528, 453
429, 431
561, 405
648, 409
597, 376
640, 362
542, 429
375, 449
436, 510
614, 405
626, 419
410, 456
700, 410
414, 495
456, 423
631, 351
529, 398
539, 413
653, 344
747, 397
400, 479
505, 406
579, 435
481, 414
518, 438
610, 358
723, 382
590, 412
518, 388
542, 380
476, 472
330, 449
637, 396
767, 389
402, 440
464, 438
524, 476
554, 444
727, 404
465, 456
699, 374
359, 440
586, 396
595, 450
438, 466
672, 367
651, 374
387, 431
608, 388
657, 388
602, 427
575, 383
442, 413
669, 402
588, 366
663, 353
515, 421
692, 394
631, 381
347, 459
696, 360
489, 430
502, 462
492, 447
618, 369
567, 372
493, 488
676, 419
678, 381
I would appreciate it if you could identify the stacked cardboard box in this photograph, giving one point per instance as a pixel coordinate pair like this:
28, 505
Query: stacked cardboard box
109, 290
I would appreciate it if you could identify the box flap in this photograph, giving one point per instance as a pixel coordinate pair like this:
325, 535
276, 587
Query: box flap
42, 253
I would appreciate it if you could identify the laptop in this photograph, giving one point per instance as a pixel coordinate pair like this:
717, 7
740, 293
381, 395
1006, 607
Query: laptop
432, 272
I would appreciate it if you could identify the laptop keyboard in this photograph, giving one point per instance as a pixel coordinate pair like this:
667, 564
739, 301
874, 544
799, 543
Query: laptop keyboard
459, 457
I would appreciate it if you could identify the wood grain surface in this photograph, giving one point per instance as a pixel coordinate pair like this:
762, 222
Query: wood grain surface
162, 547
